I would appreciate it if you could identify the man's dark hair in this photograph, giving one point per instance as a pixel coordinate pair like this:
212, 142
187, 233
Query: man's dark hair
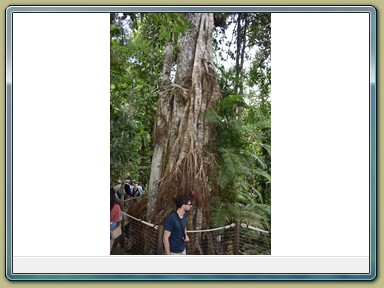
184, 199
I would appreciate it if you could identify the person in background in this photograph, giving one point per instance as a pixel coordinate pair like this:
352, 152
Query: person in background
131, 184
140, 188
175, 231
117, 187
127, 189
115, 214
136, 192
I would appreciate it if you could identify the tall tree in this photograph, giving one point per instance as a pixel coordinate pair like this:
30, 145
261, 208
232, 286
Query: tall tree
181, 163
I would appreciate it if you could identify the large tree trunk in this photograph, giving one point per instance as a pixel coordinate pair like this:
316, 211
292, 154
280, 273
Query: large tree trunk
163, 110
181, 163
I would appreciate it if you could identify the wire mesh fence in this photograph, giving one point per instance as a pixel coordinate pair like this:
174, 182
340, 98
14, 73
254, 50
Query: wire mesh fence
143, 238
139, 237
217, 241
253, 242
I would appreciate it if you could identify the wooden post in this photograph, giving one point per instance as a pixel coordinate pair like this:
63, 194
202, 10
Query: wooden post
123, 222
237, 238
160, 232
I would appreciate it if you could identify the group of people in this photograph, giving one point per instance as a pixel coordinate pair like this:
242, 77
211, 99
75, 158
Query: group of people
175, 227
130, 189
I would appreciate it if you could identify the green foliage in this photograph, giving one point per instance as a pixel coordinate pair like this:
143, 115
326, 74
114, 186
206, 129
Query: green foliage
135, 73
257, 215
160, 28
243, 146
243, 123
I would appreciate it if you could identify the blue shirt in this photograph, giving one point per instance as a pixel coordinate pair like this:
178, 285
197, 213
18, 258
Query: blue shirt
172, 224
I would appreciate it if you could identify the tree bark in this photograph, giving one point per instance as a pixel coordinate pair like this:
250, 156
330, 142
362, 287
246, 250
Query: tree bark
181, 163
160, 130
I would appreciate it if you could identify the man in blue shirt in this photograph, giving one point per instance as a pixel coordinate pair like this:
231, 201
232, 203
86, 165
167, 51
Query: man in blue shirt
175, 232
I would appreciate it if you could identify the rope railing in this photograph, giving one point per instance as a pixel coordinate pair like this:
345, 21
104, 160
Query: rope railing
144, 238
141, 221
254, 228
213, 229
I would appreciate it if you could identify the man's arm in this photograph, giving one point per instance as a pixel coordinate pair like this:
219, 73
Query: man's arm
166, 242
186, 235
